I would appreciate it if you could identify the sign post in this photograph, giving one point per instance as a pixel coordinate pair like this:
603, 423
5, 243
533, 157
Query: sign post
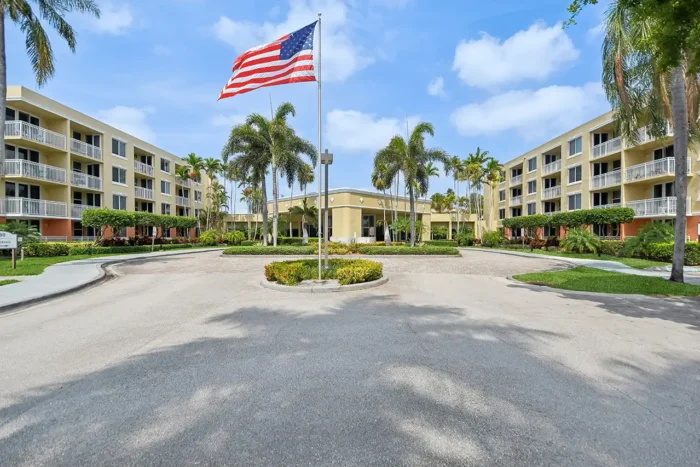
8, 241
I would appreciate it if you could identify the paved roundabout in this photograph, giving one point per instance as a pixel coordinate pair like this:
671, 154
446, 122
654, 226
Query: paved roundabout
187, 360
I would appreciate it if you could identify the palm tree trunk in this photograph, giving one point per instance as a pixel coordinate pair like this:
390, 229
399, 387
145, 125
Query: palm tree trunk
387, 235
275, 207
264, 210
412, 207
680, 150
291, 196
233, 195
3, 88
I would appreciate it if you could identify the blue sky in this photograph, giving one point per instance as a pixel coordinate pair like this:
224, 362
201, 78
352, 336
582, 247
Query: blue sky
502, 75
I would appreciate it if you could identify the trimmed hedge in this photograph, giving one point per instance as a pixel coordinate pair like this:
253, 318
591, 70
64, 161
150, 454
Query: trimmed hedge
402, 250
250, 243
612, 247
572, 219
41, 249
295, 241
441, 242
664, 252
109, 250
234, 237
116, 219
347, 271
268, 250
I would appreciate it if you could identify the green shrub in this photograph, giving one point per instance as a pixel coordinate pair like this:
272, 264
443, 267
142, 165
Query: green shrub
347, 271
384, 244
493, 239
581, 241
250, 243
664, 252
296, 241
359, 272
441, 242
45, 249
402, 250
234, 237
465, 238
269, 250
649, 234
440, 232
110, 250
210, 238
612, 247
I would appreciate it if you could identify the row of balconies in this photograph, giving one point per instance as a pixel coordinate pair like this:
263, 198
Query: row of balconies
36, 134
656, 207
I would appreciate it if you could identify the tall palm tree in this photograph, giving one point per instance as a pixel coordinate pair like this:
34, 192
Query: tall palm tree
381, 180
310, 216
233, 176
474, 169
454, 166
37, 43
409, 158
645, 94
305, 177
494, 174
212, 167
195, 166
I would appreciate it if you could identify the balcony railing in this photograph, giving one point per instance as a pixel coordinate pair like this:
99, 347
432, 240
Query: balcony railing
605, 206
645, 136
517, 180
552, 192
609, 147
658, 168
549, 213
657, 207
86, 150
84, 238
29, 169
53, 238
26, 207
187, 183
24, 130
143, 193
516, 200
77, 210
182, 201
607, 179
552, 167
142, 168
609, 237
86, 181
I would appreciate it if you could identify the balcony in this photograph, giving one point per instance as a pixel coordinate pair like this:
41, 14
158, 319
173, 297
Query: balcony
85, 150
143, 169
606, 206
609, 147
517, 180
77, 210
659, 168
186, 183
24, 130
26, 207
552, 167
33, 170
54, 238
85, 181
553, 192
657, 207
516, 201
549, 213
84, 238
182, 201
143, 193
644, 136
613, 178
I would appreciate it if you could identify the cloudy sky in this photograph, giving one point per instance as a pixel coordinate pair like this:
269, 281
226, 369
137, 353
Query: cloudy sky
502, 75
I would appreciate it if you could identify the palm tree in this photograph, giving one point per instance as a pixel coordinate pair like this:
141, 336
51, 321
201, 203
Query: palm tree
410, 159
195, 166
309, 214
474, 168
37, 43
494, 171
233, 176
644, 93
211, 167
454, 166
381, 181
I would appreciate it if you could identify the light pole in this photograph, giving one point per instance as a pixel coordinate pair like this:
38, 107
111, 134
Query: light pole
326, 159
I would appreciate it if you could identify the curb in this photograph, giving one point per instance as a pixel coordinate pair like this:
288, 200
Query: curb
334, 289
526, 255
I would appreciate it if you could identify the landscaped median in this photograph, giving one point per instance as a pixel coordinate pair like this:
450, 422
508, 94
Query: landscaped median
340, 249
345, 271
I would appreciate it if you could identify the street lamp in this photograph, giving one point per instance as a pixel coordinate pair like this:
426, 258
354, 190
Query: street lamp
326, 159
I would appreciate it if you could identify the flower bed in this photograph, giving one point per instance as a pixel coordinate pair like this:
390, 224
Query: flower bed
402, 250
341, 249
346, 271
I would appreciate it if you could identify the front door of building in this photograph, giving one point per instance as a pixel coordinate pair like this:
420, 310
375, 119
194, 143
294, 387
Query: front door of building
368, 225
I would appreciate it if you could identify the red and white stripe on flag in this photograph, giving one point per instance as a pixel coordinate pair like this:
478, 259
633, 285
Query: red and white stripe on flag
289, 59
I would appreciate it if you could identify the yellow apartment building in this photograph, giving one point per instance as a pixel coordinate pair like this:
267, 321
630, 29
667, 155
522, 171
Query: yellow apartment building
60, 162
592, 167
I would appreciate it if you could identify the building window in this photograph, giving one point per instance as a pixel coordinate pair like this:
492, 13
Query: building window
532, 164
198, 196
165, 208
575, 202
551, 231
165, 165
531, 209
502, 195
119, 202
516, 212
119, 175
502, 213
575, 147
93, 199
574, 174
165, 187
118, 148
532, 187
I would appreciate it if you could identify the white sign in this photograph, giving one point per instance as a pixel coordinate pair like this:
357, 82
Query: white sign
8, 241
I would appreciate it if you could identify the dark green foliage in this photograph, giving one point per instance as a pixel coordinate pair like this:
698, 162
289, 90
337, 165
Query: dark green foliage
572, 219
116, 220
611, 247
649, 234
347, 271
466, 238
210, 238
108, 250
234, 237
250, 243
493, 239
664, 252
46, 249
440, 242
268, 250
402, 250
581, 241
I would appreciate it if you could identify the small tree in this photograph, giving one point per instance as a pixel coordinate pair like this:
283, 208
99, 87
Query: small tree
104, 218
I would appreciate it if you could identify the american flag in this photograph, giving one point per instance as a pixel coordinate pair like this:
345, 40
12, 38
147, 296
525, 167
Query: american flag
289, 59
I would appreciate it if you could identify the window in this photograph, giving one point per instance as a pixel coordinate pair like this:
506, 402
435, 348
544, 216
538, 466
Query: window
165, 165
119, 175
575, 146
532, 164
532, 187
502, 213
165, 208
550, 182
550, 206
516, 212
600, 138
574, 174
531, 209
93, 199
549, 158
119, 202
502, 195
575, 202
165, 187
663, 190
198, 196
118, 148
551, 231
515, 172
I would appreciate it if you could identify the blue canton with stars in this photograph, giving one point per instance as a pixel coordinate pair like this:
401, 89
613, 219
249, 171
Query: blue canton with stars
303, 39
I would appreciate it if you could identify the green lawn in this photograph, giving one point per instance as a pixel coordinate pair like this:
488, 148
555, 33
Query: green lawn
596, 280
636, 263
8, 282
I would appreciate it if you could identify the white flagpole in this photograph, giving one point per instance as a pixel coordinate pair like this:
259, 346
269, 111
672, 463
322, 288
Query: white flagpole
318, 78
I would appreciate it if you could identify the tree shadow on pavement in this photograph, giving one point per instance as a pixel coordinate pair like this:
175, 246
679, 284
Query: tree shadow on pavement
369, 380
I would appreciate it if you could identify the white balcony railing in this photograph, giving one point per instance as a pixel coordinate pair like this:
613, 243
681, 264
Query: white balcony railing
86, 181
77, 210
24, 130
549, 213
84, 149
658, 168
516, 200
53, 238
142, 168
605, 206
29, 169
645, 136
552, 192
26, 207
182, 201
84, 238
607, 179
552, 167
657, 207
143, 193
609, 147
187, 183
517, 180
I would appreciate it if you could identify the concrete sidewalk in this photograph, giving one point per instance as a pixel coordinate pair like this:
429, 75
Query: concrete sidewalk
70, 276
614, 266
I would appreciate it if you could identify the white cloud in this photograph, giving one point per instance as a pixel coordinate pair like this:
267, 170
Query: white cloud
162, 50
227, 120
130, 120
596, 32
357, 131
533, 114
341, 56
113, 20
533, 54
436, 87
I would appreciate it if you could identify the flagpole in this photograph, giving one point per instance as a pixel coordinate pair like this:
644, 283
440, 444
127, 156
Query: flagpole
318, 78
